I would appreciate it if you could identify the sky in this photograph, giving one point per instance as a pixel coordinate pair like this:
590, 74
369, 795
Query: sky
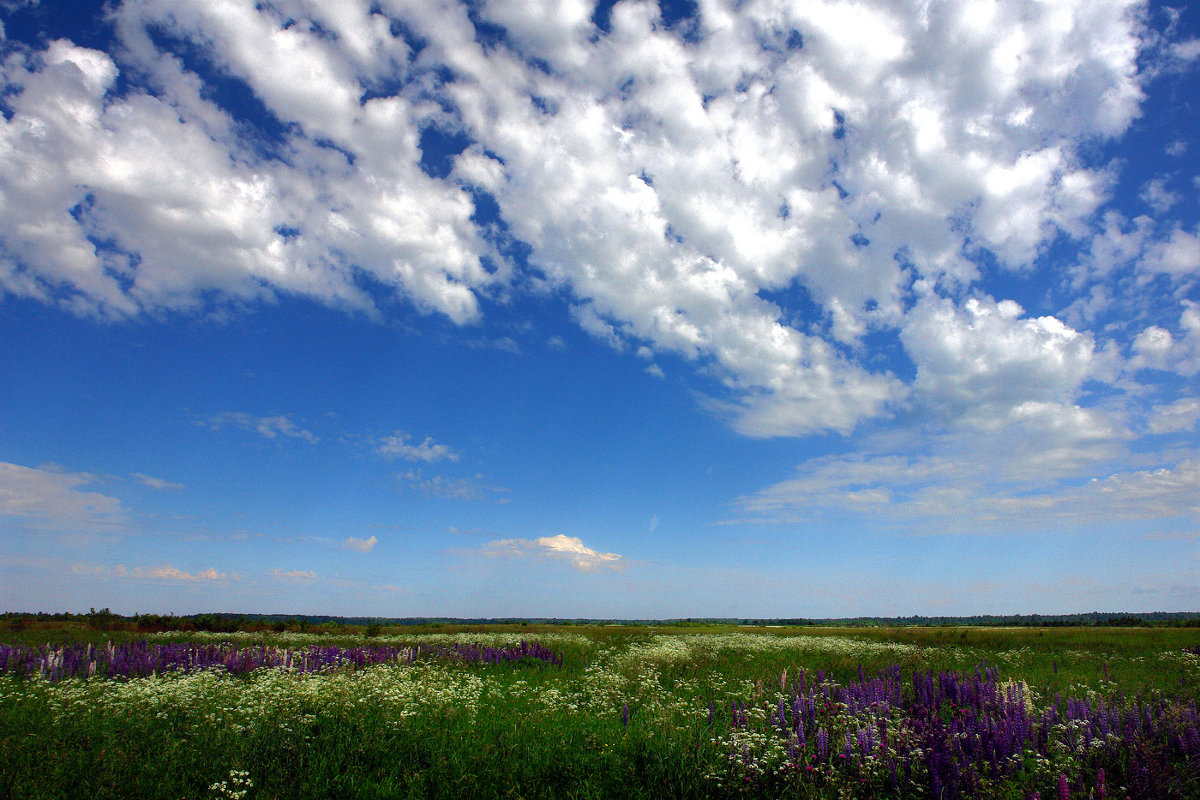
574, 309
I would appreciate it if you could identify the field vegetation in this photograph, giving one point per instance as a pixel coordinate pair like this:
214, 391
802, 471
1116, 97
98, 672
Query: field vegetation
538, 711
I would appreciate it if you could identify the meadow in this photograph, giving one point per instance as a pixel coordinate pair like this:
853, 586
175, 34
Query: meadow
602, 712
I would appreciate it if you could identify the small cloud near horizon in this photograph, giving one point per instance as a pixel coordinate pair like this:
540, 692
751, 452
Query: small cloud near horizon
161, 572
293, 575
561, 547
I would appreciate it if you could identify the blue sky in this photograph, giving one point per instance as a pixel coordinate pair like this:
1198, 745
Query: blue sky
750, 309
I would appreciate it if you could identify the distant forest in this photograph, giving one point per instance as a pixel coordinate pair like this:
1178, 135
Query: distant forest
104, 619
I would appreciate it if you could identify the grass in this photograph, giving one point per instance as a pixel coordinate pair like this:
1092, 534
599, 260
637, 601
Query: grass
509, 731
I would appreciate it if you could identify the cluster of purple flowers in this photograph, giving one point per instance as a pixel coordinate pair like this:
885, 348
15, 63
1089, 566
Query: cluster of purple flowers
140, 658
952, 734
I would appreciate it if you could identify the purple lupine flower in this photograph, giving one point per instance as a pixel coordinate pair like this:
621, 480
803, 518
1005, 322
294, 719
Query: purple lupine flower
1064, 788
625, 715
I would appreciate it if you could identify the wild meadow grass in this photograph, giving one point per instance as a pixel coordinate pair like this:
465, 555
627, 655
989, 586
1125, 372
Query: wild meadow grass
629, 712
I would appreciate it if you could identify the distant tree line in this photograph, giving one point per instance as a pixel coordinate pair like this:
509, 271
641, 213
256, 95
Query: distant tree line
221, 622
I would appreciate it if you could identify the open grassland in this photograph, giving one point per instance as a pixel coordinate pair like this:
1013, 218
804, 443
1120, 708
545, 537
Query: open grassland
603, 711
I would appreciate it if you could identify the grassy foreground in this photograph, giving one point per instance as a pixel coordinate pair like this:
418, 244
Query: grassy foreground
630, 712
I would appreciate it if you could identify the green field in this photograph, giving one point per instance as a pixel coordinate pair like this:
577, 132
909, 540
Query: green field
632, 712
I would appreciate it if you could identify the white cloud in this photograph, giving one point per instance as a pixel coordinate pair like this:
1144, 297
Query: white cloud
959, 492
1177, 256
360, 545
1186, 51
1178, 417
165, 176
293, 576
397, 446
164, 572
157, 484
448, 488
1156, 195
984, 362
1156, 348
560, 547
666, 185
267, 427
51, 498
1120, 242
653, 523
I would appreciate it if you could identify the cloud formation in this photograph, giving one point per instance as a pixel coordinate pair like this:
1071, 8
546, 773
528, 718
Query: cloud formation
397, 446
268, 427
448, 488
157, 484
760, 198
360, 545
49, 498
294, 575
559, 547
164, 572
964, 492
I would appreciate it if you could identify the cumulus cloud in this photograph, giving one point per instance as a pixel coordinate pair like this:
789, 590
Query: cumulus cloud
267, 427
1156, 195
360, 545
984, 362
397, 446
1156, 348
51, 498
677, 189
560, 547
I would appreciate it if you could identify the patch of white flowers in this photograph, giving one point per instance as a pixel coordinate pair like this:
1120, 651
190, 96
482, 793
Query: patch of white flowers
234, 787
294, 639
691, 647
